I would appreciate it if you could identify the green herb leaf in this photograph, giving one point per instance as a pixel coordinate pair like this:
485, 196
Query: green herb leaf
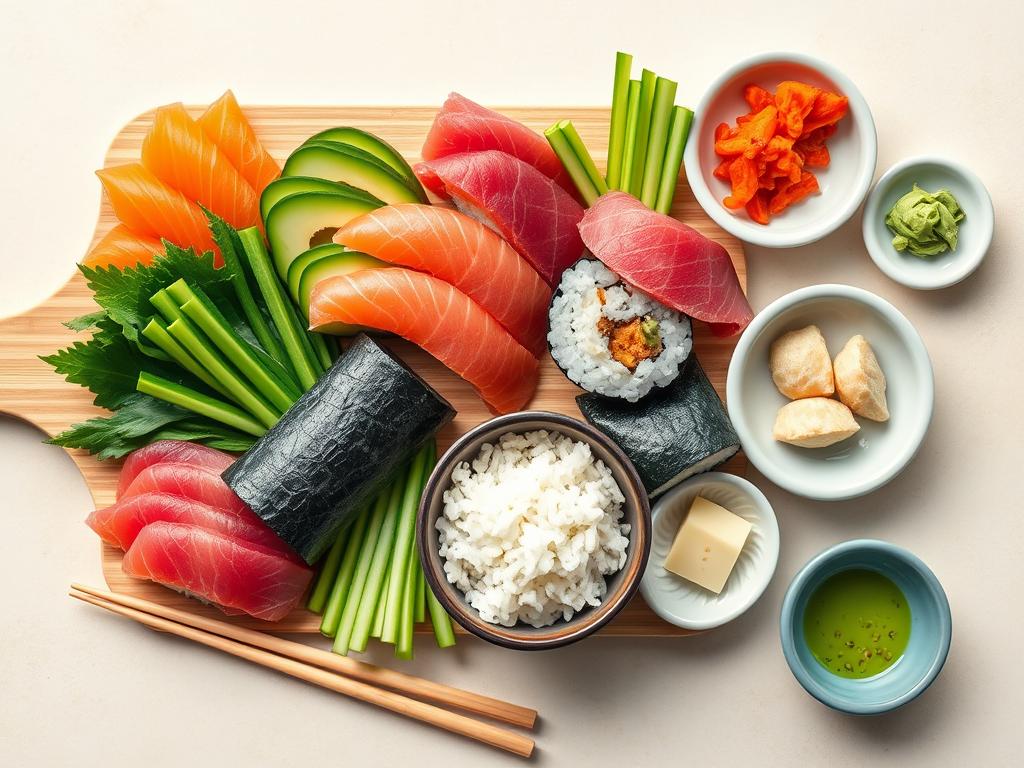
84, 322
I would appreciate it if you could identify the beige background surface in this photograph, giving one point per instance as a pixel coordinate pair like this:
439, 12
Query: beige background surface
78, 687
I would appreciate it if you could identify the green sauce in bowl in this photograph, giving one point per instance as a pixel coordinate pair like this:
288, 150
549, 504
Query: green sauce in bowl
857, 623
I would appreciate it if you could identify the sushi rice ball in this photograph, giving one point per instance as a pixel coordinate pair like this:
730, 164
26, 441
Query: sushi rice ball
612, 339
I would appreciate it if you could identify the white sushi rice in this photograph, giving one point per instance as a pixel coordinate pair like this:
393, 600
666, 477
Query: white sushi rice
581, 350
530, 529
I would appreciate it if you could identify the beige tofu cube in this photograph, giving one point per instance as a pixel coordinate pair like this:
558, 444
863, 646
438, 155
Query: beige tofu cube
860, 381
707, 545
801, 365
815, 422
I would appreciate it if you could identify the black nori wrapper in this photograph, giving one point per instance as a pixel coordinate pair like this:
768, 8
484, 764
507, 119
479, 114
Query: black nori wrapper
670, 431
337, 447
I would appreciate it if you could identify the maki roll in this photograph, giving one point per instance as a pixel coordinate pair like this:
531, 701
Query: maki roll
612, 339
337, 447
673, 433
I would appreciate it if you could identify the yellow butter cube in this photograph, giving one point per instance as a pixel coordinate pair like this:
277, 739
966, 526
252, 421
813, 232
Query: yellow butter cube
707, 545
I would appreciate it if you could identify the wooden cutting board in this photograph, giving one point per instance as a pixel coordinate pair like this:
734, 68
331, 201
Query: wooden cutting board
29, 389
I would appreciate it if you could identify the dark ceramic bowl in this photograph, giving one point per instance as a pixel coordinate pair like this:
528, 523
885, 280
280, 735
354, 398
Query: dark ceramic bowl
622, 585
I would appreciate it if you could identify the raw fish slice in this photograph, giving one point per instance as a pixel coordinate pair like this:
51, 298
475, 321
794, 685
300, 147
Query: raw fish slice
441, 319
536, 216
120, 523
226, 124
462, 125
188, 482
461, 251
120, 248
230, 572
672, 262
171, 452
150, 208
181, 155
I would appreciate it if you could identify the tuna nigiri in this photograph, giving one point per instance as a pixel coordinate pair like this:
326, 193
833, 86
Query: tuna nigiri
225, 123
225, 570
441, 319
462, 125
672, 262
150, 208
188, 482
536, 216
461, 251
171, 452
121, 248
181, 155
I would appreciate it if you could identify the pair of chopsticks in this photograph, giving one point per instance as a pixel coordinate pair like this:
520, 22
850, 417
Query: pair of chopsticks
389, 689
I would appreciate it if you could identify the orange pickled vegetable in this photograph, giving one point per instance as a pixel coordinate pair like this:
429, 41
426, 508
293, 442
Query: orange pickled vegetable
792, 193
757, 97
795, 101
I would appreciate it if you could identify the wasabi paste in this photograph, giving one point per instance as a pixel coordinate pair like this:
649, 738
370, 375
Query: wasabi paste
925, 223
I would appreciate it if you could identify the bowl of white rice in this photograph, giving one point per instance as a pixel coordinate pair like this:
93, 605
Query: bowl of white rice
534, 530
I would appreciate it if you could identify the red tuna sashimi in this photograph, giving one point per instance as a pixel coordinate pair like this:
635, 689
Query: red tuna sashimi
672, 262
120, 523
188, 482
536, 216
228, 571
462, 125
459, 250
171, 452
441, 319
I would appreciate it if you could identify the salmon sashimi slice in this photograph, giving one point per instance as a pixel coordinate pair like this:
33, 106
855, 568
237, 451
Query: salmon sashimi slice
459, 250
438, 317
188, 482
226, 124
181, 155
171, 452
536, 216
150, 208
462, 125
236, 574
120, 523
121, 248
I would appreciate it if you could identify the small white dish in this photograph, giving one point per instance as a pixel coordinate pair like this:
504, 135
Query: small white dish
879, 451
931, 174
844, 183
685, 604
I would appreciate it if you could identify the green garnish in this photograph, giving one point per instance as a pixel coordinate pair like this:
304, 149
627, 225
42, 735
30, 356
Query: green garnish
925, 223
649, 330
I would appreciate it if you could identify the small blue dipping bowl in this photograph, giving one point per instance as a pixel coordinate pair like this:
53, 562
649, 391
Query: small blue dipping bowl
931, 629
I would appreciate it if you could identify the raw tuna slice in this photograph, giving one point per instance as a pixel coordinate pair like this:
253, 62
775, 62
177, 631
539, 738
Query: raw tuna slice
188, 482
461, 251
441, 319
228, 571
171, 452
536, 216
121, 523
462, 125
672, 262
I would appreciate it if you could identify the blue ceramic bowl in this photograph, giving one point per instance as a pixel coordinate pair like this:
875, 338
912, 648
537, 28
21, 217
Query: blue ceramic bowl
931, 629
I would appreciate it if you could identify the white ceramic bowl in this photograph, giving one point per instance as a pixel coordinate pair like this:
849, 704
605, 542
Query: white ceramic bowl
844, 183
931, 174
879, 451
685, 604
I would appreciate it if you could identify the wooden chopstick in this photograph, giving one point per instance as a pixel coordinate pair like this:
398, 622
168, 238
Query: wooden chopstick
453, 722
449, 696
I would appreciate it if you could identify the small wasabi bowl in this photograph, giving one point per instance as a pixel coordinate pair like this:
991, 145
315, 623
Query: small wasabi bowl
931, 629
975, 231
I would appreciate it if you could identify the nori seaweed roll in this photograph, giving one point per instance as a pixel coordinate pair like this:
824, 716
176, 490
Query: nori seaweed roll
338, 446
675, 432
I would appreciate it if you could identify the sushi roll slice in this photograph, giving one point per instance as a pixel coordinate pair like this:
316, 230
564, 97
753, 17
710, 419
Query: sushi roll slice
675, 432
610, 338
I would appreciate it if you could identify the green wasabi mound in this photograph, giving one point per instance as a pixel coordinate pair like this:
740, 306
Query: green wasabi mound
925, 223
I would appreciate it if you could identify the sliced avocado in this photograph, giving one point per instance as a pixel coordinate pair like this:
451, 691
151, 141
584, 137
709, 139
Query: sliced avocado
340, 162
290, 185
300, 221
303, 261
318, 269
375, 145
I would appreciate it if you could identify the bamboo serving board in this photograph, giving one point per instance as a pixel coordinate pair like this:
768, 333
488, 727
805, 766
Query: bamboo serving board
30, 390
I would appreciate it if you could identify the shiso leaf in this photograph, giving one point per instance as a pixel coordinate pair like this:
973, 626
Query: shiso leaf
84, 322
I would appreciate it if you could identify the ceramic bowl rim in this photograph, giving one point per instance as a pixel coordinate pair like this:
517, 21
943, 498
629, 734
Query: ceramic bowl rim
915, 347
806, 579
764, 236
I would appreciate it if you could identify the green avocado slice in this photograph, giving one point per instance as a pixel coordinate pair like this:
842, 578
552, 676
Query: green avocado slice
340, 162
291, 185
